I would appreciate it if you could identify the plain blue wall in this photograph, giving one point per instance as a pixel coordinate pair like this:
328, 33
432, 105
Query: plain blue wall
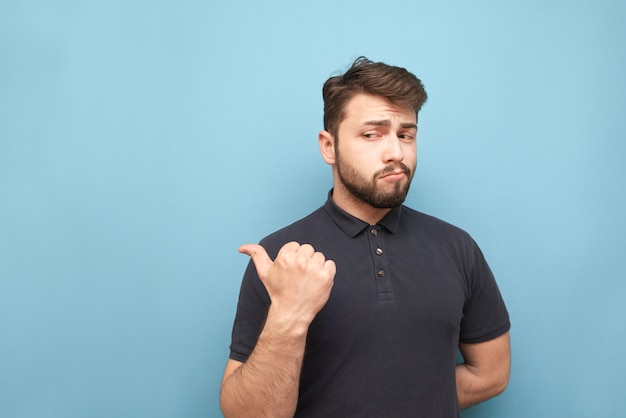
142, 141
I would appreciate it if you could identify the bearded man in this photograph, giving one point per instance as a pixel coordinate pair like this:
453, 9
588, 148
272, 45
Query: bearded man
358, 309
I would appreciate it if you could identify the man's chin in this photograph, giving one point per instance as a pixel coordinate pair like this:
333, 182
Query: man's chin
388, 201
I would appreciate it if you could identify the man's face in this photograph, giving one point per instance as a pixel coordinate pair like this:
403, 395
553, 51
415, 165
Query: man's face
376, 151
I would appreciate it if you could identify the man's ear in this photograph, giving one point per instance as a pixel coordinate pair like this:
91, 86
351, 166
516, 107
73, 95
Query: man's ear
327, 147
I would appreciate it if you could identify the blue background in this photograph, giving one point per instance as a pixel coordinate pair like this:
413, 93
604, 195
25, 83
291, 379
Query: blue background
141, 142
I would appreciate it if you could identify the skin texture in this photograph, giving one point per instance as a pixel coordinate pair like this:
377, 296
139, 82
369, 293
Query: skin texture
373, 162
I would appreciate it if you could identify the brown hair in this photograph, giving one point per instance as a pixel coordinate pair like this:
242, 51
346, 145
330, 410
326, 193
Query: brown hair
395, 84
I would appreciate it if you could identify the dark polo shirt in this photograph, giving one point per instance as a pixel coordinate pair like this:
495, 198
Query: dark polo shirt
406, 292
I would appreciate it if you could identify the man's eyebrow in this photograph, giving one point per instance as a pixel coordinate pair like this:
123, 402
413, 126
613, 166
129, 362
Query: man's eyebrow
387, 122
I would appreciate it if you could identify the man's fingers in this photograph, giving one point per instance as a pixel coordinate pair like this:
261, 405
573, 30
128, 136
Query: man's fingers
330, 266
290, 247
306, 250
259, 256
289, 256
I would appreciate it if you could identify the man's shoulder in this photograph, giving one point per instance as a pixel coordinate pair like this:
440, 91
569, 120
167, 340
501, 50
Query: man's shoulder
438, 235
431, 223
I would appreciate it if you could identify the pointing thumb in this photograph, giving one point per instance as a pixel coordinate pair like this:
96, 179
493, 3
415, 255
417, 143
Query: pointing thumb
259, 256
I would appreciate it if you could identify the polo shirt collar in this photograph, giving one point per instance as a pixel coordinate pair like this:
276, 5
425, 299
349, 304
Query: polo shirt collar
352, 225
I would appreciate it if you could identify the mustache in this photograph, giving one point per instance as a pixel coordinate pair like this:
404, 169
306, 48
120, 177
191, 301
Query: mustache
391, 168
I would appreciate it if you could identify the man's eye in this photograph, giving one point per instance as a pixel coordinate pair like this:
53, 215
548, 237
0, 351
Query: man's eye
371, 135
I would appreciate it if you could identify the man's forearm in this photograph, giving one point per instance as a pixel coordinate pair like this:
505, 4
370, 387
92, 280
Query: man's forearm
267, 383
473, 388
485, 370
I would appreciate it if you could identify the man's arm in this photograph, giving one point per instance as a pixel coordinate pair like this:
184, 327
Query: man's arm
485, 371
298, 283
267, 383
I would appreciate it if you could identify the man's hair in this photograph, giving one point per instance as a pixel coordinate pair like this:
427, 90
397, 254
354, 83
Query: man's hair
395, 84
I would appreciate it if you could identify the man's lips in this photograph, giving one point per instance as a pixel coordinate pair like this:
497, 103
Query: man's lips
394, 175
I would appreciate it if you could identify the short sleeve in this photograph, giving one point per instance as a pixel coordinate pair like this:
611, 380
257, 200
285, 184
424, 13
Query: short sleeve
485, 316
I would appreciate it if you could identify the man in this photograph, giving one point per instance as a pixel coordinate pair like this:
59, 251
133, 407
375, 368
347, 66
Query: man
358, 309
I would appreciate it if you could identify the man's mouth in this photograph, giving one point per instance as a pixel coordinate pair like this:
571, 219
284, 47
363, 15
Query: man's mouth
393, 175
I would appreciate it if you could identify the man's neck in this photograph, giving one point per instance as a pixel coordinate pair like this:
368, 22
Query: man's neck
357, 208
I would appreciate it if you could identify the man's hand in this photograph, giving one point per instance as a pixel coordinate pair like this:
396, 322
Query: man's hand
298, 281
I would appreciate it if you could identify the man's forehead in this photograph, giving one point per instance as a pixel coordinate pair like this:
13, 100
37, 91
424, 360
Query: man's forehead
366, 108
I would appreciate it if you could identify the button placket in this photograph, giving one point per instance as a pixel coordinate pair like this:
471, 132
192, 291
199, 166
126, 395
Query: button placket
380, 264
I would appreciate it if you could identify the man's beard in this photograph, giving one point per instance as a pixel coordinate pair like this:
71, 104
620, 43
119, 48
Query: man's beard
365, 190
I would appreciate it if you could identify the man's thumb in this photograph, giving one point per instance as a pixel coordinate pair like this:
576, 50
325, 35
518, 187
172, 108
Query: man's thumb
259, 256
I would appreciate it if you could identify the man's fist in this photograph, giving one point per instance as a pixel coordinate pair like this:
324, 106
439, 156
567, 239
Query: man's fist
298, 281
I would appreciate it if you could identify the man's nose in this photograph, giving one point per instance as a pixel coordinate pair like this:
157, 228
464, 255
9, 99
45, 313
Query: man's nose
393, 149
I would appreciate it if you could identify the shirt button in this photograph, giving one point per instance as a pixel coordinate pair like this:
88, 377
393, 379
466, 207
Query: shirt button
373, 231
380, 273
379, 251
